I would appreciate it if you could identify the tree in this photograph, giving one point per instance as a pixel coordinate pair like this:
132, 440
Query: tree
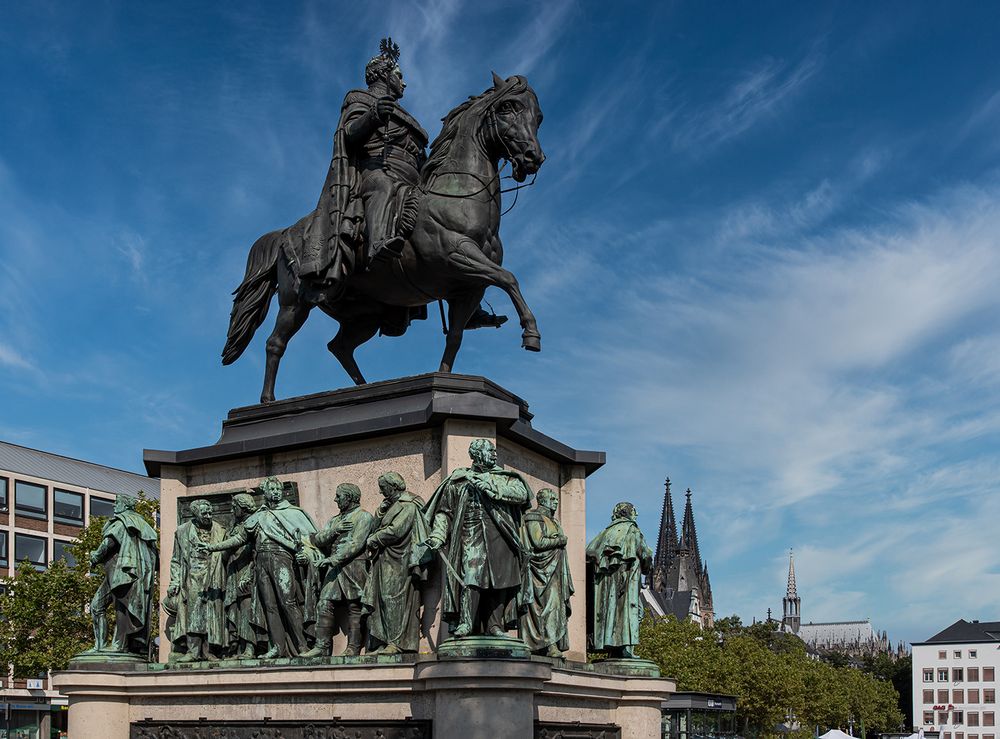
770, 674
45, 616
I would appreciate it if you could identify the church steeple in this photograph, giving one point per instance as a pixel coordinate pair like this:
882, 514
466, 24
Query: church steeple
689, 536
791, 604
666, 544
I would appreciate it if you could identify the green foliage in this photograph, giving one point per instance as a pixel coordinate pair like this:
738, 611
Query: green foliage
770, 674
45, 616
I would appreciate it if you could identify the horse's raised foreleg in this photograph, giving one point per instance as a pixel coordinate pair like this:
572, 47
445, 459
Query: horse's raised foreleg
353, 332
470, 260
460, 310
289, 321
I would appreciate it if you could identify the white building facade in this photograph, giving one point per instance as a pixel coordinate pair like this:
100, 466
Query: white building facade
955, 681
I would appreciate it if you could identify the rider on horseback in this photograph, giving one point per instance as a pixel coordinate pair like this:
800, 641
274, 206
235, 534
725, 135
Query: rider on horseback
379, 149
378, 152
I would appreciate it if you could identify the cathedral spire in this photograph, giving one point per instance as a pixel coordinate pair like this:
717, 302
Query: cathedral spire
790, 591
666, 543
791, 604
689, 536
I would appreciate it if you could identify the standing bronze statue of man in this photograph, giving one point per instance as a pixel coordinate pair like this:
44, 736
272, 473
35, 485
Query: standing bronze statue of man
618, 557
287, 594
547, 585
392, 596
345, 571
198, 588
129, 554
477, 513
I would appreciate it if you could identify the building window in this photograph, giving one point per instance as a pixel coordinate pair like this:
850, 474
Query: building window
959, 695
973, 736
3, 494
942, 695
942, 654
972, 654
988, 718
942, 717
30, 500
3, 549
946, 735
67, 506
31, 548
928, 696
989, 695
973, 674
956, 674
928, 676
60, 551
928, 717
973, 718
943, 675
973, 695
988, 675
101, 507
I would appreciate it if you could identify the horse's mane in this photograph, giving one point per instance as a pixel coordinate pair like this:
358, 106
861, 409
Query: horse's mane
454, 122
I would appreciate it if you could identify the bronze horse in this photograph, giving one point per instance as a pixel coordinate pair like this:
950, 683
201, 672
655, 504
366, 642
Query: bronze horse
452, 254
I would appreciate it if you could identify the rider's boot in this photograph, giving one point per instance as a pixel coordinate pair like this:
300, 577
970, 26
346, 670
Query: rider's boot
483, 319
386, 249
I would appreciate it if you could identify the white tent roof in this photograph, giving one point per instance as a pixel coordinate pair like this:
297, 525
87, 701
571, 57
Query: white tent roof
835, 734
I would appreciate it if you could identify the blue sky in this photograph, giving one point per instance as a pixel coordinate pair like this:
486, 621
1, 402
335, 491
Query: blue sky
762, 251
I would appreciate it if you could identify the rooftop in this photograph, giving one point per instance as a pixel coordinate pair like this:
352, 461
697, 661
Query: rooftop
22, 460
966, 631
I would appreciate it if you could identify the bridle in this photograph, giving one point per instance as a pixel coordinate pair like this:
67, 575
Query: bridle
490, 120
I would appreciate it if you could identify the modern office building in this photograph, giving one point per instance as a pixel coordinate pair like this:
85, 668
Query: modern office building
45, 499
954, 681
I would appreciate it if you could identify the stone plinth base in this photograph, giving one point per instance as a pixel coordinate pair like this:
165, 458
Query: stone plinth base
460, 698
484, 647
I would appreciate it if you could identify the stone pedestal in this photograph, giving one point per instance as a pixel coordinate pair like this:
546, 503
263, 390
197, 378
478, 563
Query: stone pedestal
420, 698
485, 688
418, 426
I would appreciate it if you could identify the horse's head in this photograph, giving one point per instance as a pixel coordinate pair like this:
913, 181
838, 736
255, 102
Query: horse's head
512, 122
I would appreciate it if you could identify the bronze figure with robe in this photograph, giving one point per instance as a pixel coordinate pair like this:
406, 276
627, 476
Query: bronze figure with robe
392, 595
618, 558
245, 621
345, 571
547, 584
286, 590
477, 513
130, 556
198, 588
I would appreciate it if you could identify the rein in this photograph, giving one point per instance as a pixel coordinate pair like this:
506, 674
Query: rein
492, 122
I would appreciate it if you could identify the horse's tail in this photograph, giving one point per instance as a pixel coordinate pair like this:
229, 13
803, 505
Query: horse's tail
253, 296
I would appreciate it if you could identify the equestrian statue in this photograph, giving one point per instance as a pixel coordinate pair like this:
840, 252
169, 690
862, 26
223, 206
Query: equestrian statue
395, 229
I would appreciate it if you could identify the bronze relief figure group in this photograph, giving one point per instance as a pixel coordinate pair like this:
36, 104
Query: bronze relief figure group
272, 584
276, 585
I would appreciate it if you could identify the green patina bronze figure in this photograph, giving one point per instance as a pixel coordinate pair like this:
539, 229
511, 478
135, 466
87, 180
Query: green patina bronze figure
618, 557
245, 623
477, 513
547, 584
345, 570
287, 592
392, 596
197, 588
129, 554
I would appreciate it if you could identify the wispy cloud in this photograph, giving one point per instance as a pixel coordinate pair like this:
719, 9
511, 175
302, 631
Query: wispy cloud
10, 357
758, 94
